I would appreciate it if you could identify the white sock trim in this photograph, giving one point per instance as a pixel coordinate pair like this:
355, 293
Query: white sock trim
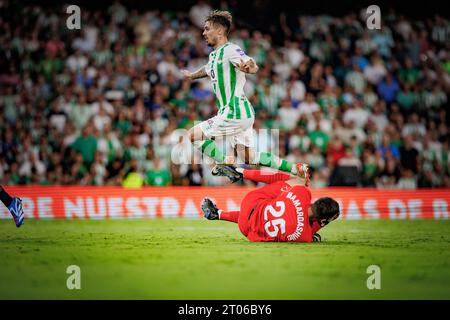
294, 169
198, 144
256, 158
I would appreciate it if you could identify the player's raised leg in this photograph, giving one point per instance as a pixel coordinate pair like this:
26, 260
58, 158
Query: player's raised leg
204, 144
228, 171
14, 206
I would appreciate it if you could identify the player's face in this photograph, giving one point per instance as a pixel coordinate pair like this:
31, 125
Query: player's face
210, 33
324, 222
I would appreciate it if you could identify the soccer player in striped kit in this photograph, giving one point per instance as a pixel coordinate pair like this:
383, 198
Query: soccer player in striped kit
226, 68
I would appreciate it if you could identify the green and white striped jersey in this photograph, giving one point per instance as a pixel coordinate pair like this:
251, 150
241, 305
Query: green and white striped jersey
228, 81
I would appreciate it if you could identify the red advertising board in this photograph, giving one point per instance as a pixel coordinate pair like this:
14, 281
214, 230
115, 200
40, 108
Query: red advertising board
69, 202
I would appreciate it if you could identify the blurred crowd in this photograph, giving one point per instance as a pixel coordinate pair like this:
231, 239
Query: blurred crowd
102, 105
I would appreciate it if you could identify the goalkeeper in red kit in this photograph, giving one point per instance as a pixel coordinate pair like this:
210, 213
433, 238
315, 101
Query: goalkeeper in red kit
280, 211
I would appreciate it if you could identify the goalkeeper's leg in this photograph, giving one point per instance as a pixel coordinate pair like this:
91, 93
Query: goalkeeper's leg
232, 216
211, 212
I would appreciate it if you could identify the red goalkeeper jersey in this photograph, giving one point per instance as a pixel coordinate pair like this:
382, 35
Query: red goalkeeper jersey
282, 217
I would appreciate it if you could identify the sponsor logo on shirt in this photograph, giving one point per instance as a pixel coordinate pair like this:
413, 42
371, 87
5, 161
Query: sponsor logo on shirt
239, 50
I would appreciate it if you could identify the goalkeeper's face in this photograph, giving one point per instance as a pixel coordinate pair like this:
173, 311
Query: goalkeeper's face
325, 210
323, 222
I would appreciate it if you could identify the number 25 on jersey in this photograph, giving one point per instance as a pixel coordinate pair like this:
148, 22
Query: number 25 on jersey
273, 226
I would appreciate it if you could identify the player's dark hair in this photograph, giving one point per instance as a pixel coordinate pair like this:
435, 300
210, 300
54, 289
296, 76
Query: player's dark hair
223, 18
325, 208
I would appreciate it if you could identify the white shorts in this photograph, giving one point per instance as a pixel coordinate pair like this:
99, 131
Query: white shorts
237, 131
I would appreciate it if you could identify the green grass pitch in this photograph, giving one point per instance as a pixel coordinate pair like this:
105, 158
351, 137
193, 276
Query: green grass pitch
199, 259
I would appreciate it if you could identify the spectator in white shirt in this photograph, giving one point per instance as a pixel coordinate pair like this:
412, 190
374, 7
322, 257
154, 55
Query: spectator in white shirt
375, 71
309, 105
357, 114
288, 115
355, 79
296, 87
378, 116
294, 54
278, 88
101, 119
102, 103
77, 61
317, 118
414, 127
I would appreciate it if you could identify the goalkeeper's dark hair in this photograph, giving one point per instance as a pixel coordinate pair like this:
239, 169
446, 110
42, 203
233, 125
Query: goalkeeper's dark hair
223, 18
325, 208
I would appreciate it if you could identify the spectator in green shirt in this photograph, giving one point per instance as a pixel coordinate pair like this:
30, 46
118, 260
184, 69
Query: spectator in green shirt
158, 177
319, 138
49, 67
86, 145
406, 98
327, 99
123, 122
409, 74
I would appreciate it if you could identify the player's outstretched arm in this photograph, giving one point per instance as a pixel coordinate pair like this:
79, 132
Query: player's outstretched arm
248, 66
200, 73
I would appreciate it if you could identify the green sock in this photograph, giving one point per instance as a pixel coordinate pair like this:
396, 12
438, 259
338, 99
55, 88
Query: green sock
210, 148
267, 159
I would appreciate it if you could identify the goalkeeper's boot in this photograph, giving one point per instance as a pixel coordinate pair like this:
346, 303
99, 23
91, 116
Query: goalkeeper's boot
210, 210
17, 211
228, 171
